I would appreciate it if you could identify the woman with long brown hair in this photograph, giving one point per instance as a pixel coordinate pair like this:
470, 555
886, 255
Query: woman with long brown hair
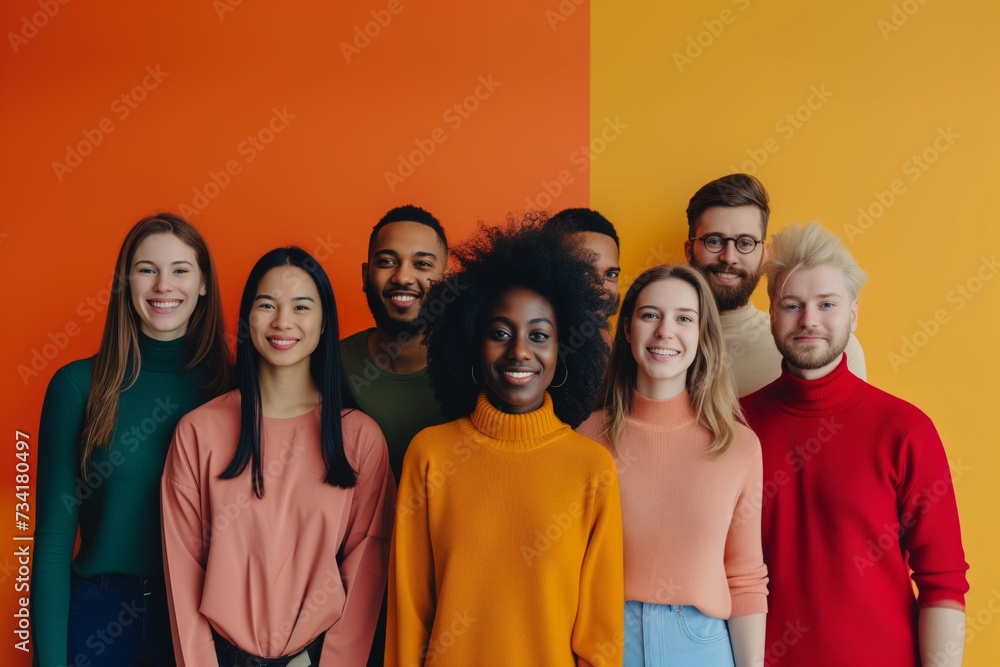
105, 428
689, 471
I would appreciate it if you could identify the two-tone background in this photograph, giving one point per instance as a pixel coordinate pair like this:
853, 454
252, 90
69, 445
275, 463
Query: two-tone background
302, 123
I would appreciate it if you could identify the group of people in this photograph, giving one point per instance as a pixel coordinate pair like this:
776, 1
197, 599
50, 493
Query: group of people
490, 475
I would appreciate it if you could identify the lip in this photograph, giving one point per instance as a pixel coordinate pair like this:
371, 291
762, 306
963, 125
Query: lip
809, 339
662, 358
281, 343
727, 277
520, 378
173, 305
402, 300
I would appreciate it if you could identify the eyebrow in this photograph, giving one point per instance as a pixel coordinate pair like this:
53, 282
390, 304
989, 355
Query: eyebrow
393, 253
294, 298
687, 310
508, 322
149, 261
796, 297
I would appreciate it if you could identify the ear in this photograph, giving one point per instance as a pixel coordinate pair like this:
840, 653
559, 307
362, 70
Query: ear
364, 275
854, 316
689, 249
204, 288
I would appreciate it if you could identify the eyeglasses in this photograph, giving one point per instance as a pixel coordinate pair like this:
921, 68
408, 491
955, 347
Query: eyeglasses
716, 243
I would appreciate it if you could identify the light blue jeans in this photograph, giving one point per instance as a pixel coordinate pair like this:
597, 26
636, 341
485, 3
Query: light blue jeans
669, 635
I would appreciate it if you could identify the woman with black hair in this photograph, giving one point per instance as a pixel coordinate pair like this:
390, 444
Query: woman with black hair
277, 503
508, 539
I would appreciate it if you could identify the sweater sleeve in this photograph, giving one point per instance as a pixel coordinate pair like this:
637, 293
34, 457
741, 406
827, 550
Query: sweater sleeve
364, 553
599, 630
928, 514
412, 596
185, 549
57, 515
746, 572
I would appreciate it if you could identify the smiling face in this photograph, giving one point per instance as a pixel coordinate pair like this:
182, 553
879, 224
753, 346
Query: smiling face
404, 259
731, 275
165, 284
812, 317
663, 333
519, 350
286, 318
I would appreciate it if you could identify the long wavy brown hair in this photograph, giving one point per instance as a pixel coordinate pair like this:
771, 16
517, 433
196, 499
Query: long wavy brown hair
117, 363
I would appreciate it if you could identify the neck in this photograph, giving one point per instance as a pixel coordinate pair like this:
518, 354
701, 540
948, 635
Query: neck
396, 356
287, 391
659, 390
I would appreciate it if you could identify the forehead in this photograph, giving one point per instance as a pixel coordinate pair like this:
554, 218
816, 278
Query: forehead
806, 283
520, 304
667, 294
287, 281
406, 238
730, 221
600, 244
165, 245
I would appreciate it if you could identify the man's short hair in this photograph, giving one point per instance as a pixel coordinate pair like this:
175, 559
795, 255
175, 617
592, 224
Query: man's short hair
409, 213
573, 220
732, 190
808, 247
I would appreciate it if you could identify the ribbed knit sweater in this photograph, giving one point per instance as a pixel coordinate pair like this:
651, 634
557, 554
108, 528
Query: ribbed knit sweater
507, 547
755, 359
858, 498
691, 523
117, 509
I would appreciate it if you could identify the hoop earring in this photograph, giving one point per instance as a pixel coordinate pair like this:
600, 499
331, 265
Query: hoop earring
473, 370
565, 377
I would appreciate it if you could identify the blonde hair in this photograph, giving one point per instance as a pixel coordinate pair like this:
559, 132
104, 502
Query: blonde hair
808, 247
709, 381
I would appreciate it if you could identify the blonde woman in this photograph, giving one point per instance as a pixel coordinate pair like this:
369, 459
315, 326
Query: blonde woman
689, 470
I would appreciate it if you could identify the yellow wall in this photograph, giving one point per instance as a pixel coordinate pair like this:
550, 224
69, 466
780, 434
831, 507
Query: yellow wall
706, 88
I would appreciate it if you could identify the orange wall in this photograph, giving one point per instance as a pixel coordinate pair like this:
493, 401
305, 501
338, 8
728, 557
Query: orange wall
487, 102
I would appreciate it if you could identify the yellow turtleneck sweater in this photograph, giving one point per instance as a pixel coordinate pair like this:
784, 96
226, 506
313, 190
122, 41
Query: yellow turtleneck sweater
507, 548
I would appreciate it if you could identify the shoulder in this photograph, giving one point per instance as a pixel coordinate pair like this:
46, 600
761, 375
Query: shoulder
360, 431
219, 413
76, 374
355, 346
594, 425
745, 442
890, 409
588, 452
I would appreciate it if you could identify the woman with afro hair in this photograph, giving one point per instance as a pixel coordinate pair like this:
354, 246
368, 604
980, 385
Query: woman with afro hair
508, 540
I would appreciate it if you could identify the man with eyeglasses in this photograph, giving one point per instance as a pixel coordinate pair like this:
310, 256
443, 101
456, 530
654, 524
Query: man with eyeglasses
727, 225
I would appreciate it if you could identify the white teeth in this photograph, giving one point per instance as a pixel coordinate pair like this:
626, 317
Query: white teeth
164, 304
404, 298
518, 374
663, 352
727, 276
283, 342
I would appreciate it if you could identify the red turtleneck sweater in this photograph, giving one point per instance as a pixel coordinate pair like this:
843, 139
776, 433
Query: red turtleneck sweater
858, 498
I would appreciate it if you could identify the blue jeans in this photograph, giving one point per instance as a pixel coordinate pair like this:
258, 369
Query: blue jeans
119, 621
669, 635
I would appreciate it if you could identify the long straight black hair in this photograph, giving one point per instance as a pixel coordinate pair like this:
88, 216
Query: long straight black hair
324, 365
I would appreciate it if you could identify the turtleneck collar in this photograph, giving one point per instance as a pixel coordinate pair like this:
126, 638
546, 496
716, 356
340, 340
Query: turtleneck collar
739, 316
828, 394
668, 414
162, 356
516, 433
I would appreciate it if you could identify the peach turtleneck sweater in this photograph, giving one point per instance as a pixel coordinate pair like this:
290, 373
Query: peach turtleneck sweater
691, 523
271, 574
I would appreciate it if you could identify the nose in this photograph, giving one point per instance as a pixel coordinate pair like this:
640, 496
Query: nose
281, 318
808, 317
729, 253
404, 274
162, 283
665, 329
519, 348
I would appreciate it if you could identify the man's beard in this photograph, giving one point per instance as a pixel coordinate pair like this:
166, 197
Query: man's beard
818, 358
388, 323
730, 297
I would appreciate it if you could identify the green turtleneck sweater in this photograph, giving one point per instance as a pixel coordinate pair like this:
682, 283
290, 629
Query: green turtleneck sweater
117, 508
